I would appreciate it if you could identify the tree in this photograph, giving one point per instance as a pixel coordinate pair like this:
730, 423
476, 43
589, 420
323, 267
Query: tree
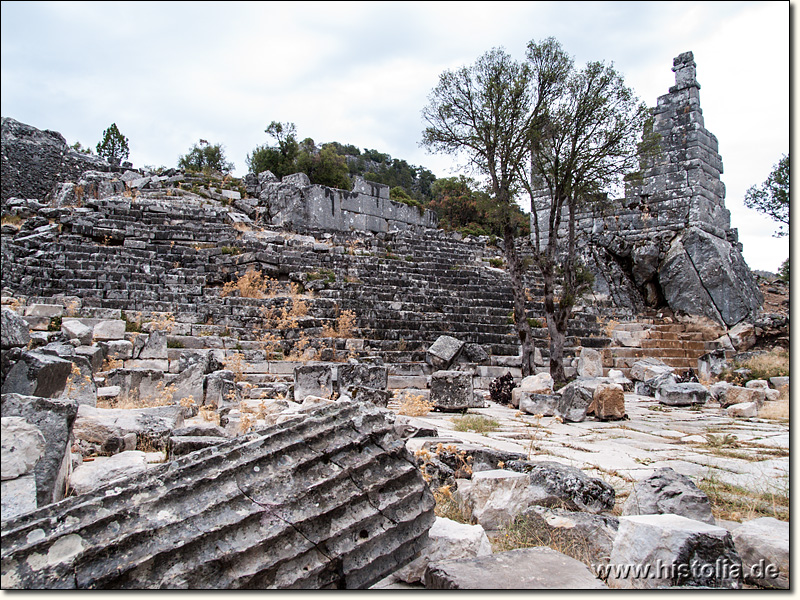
280, 159
485, 111
206, 157
772, 196
114, 146
583, 140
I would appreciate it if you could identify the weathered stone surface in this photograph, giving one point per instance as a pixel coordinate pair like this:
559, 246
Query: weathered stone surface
497, 496
590, 363
682, 394
668, 492
443, 352
102, 470
584, 536
220, 389
105, 428
452, 390
179, 445
575, 401
608, 402
75, 330
448, 540
17, 496
763, 545
38, 374
333, 500
54, 418
80, 383
22, 447
155, 346
555, 485
780, 382
676, 550
13, 330
411, 427
712, 364
649, 368
313, 380
737, 395
743, 410
743, 336
109, 330
523, 569
538, 404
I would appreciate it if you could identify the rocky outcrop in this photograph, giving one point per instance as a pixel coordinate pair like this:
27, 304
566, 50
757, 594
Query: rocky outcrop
35, 161
331, 501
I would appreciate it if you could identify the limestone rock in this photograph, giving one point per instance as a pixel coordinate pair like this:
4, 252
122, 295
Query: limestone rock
737, 395
97, 473
608, 402
54, 419
555, 485
538, 568
155, 346
331, 501
18, 496
452, 390
105, 428
497, 496
22, 447
75, 330
576, 398
180, 445
763, 545
541, 383
676, 551
668, 492
682, 394
13, 330
538, 404
448, 540
649, 368
38, 374
743, 336
590, 363
743, 410
443, 352
313, 380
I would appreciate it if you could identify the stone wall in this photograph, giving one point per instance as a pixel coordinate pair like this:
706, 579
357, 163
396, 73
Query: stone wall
668, 242
35, 161
294, 202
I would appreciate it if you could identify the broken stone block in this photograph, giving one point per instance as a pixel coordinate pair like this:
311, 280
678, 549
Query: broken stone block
365, 376
743, 336
330, 501
452, 390
538, 404
669, 492
443, 352
497, 496
38, 374
743, 410
313, 380
44, 310
649, 368
105, 428
576, 398
738, 395
712, 364
556, 485
180, 445
779, 383
102, 470
75, 330
763, 545
365, 394
54, 418
14, 331
17, 496
538, 568
80, 384
22, 447
682, 394
448, 540
675, 551
590, 363
608, 402
155, 346
109, 330
584, 536
118, 349
220, 389
94, 354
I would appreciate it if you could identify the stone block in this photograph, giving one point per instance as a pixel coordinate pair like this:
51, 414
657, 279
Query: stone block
738, 395
13, 330
556, 485
104, 429
539, 568
108, 330
743, 410
44, 310
22, 447
17, 497
38, 374
497, 496
541, 383
118, 349
365, 376
313, 380
779, 383
452, 390
590, 363
102, 470
536, 404
608, 402
682, 394
443, 352
576, 398
447, 540
668, 492
155, 346
75, 330
675, 551
763, 545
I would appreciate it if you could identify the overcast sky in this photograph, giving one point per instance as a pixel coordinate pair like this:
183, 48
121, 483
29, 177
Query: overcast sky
169, 74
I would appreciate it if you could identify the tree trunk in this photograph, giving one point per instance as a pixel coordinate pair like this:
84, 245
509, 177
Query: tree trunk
517, 272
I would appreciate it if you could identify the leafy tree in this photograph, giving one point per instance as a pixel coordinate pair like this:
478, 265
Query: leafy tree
485, 112
583, 139
280, 159
784, 272
206, 157
114, 146
772, 196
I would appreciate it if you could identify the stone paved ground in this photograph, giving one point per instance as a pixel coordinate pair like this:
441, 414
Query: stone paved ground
690, 441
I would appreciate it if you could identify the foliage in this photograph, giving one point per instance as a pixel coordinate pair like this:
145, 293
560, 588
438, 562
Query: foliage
476, 423
114, 146
762, 366
784, 271
772, 196
345, 326
415, 405
252, 284
79, 148
206, 157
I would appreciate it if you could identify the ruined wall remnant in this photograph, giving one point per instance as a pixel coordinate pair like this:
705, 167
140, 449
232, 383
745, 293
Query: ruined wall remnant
332, 500
294, 202
34, 161
669, 242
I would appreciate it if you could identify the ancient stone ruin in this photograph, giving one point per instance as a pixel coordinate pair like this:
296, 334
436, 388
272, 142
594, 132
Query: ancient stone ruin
214, 384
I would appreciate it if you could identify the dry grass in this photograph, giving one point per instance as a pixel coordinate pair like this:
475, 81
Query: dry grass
345, 326
450, 507
531, 532
209, 414
415, 405
253, 284
163, 397
735, 503
772, 364
777, 410
475, 423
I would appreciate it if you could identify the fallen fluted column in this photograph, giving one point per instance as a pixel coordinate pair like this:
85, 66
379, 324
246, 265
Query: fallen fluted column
329, 500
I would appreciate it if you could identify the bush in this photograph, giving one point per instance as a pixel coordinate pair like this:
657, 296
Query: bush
784, 271
207, 158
